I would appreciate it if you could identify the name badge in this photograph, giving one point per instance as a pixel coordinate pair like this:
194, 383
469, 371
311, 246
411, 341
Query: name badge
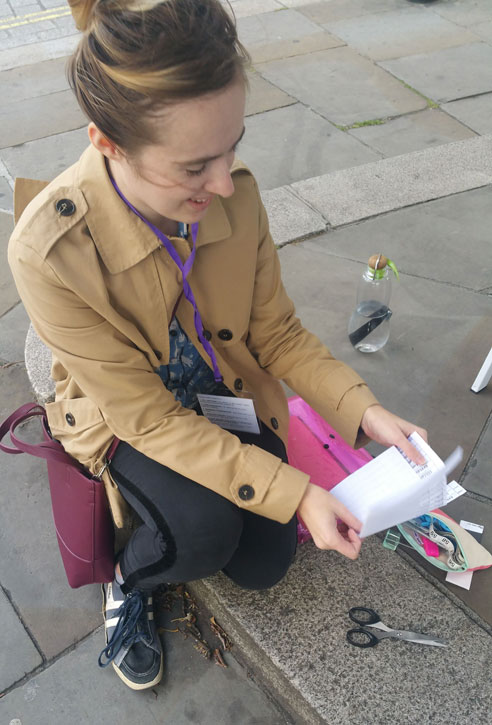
230, 413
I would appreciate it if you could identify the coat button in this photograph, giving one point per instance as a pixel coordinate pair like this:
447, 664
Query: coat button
274, 423
70, 419
225, 334
246, 492
65, 207
207, 334
238, 384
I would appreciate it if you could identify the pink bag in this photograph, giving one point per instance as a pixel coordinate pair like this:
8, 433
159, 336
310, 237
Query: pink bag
83, 523
315, 448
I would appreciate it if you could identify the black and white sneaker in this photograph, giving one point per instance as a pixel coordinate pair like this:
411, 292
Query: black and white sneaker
132, 643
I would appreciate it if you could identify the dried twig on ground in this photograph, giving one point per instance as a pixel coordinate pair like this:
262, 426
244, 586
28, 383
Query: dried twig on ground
221, 634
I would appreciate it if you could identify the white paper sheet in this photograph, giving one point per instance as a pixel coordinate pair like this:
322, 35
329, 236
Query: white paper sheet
392, 489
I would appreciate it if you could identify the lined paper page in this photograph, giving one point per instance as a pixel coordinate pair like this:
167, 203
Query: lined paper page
392, 489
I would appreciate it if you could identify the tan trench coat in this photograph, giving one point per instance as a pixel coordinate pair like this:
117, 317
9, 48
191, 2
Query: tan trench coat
100, 291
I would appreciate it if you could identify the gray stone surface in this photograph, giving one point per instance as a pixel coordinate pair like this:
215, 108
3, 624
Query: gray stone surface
288, 144
483, 31
442, 240
342, 86
34, 119
289, 217
381, 36
18, 655
438, 333
6, 196
352, 194
246, 8
8, 291
283, 34
464, 12
445, 75
263, 96
38, 52
13, 329
30, 566
47, 157
300, 625
324, 12
413, 132
31, 81
38, 366
74, 690
475, 112
478, 474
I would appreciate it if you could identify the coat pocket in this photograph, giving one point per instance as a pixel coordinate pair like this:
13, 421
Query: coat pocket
79, 426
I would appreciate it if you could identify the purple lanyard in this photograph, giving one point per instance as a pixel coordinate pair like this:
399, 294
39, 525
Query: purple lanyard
185, 270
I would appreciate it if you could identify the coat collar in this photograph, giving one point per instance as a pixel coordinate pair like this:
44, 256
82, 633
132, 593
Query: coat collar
123, 239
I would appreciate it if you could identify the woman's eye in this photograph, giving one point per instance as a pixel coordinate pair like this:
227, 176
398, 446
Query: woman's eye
192, 172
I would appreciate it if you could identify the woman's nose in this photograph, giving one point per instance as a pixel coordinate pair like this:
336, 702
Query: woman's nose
220, 181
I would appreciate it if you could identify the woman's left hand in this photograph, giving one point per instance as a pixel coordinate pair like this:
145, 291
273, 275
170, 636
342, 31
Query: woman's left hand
390, 430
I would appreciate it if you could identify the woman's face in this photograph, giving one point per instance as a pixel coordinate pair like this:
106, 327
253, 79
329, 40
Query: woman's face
177, 178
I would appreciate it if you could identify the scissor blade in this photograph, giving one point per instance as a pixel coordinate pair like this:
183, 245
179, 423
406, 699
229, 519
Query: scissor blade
417, 637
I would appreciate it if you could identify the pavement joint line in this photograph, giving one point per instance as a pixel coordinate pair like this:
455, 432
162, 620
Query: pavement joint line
51, 16
6, 174
46, 664
33, 639
467, 466
437, 584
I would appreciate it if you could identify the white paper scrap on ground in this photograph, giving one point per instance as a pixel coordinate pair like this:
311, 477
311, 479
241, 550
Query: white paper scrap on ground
230, 413
453, 490
392, 489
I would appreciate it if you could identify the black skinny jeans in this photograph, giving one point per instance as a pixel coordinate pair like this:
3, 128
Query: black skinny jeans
190, 532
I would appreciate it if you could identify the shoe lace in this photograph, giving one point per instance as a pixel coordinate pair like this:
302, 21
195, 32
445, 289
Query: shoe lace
126, 633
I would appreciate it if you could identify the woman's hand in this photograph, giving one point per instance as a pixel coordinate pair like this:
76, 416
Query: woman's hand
389, 430
329, 522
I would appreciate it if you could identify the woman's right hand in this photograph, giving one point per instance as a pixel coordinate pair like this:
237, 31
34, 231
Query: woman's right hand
329, 522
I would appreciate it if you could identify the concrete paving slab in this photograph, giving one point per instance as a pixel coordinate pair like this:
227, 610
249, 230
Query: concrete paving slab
443, 240
245, 8
292, 143
33, 118
484, 31
6, 196
479, 596
415, 131
13, 329
445, 75
476, 112
325, 12
38, 367
346, 196
37, 52
47, 157
409, 31
342, 86
478, 473
283, 34
8, 291
438, 332
30, 566
300, 626
30, 81
18, 655
193, 690
464, 12
263, 96
321, 40
289, 217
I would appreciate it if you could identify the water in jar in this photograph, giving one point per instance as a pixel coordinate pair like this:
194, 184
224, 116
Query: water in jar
369, 326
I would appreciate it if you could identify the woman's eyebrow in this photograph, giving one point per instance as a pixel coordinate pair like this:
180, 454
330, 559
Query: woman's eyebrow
211, 158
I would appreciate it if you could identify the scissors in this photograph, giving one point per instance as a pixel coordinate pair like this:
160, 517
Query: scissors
364, 637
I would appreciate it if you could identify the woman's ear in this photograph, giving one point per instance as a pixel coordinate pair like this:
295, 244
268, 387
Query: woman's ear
103, 144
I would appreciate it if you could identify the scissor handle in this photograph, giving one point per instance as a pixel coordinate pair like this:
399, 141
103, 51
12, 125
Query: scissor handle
362, 638
363, 615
